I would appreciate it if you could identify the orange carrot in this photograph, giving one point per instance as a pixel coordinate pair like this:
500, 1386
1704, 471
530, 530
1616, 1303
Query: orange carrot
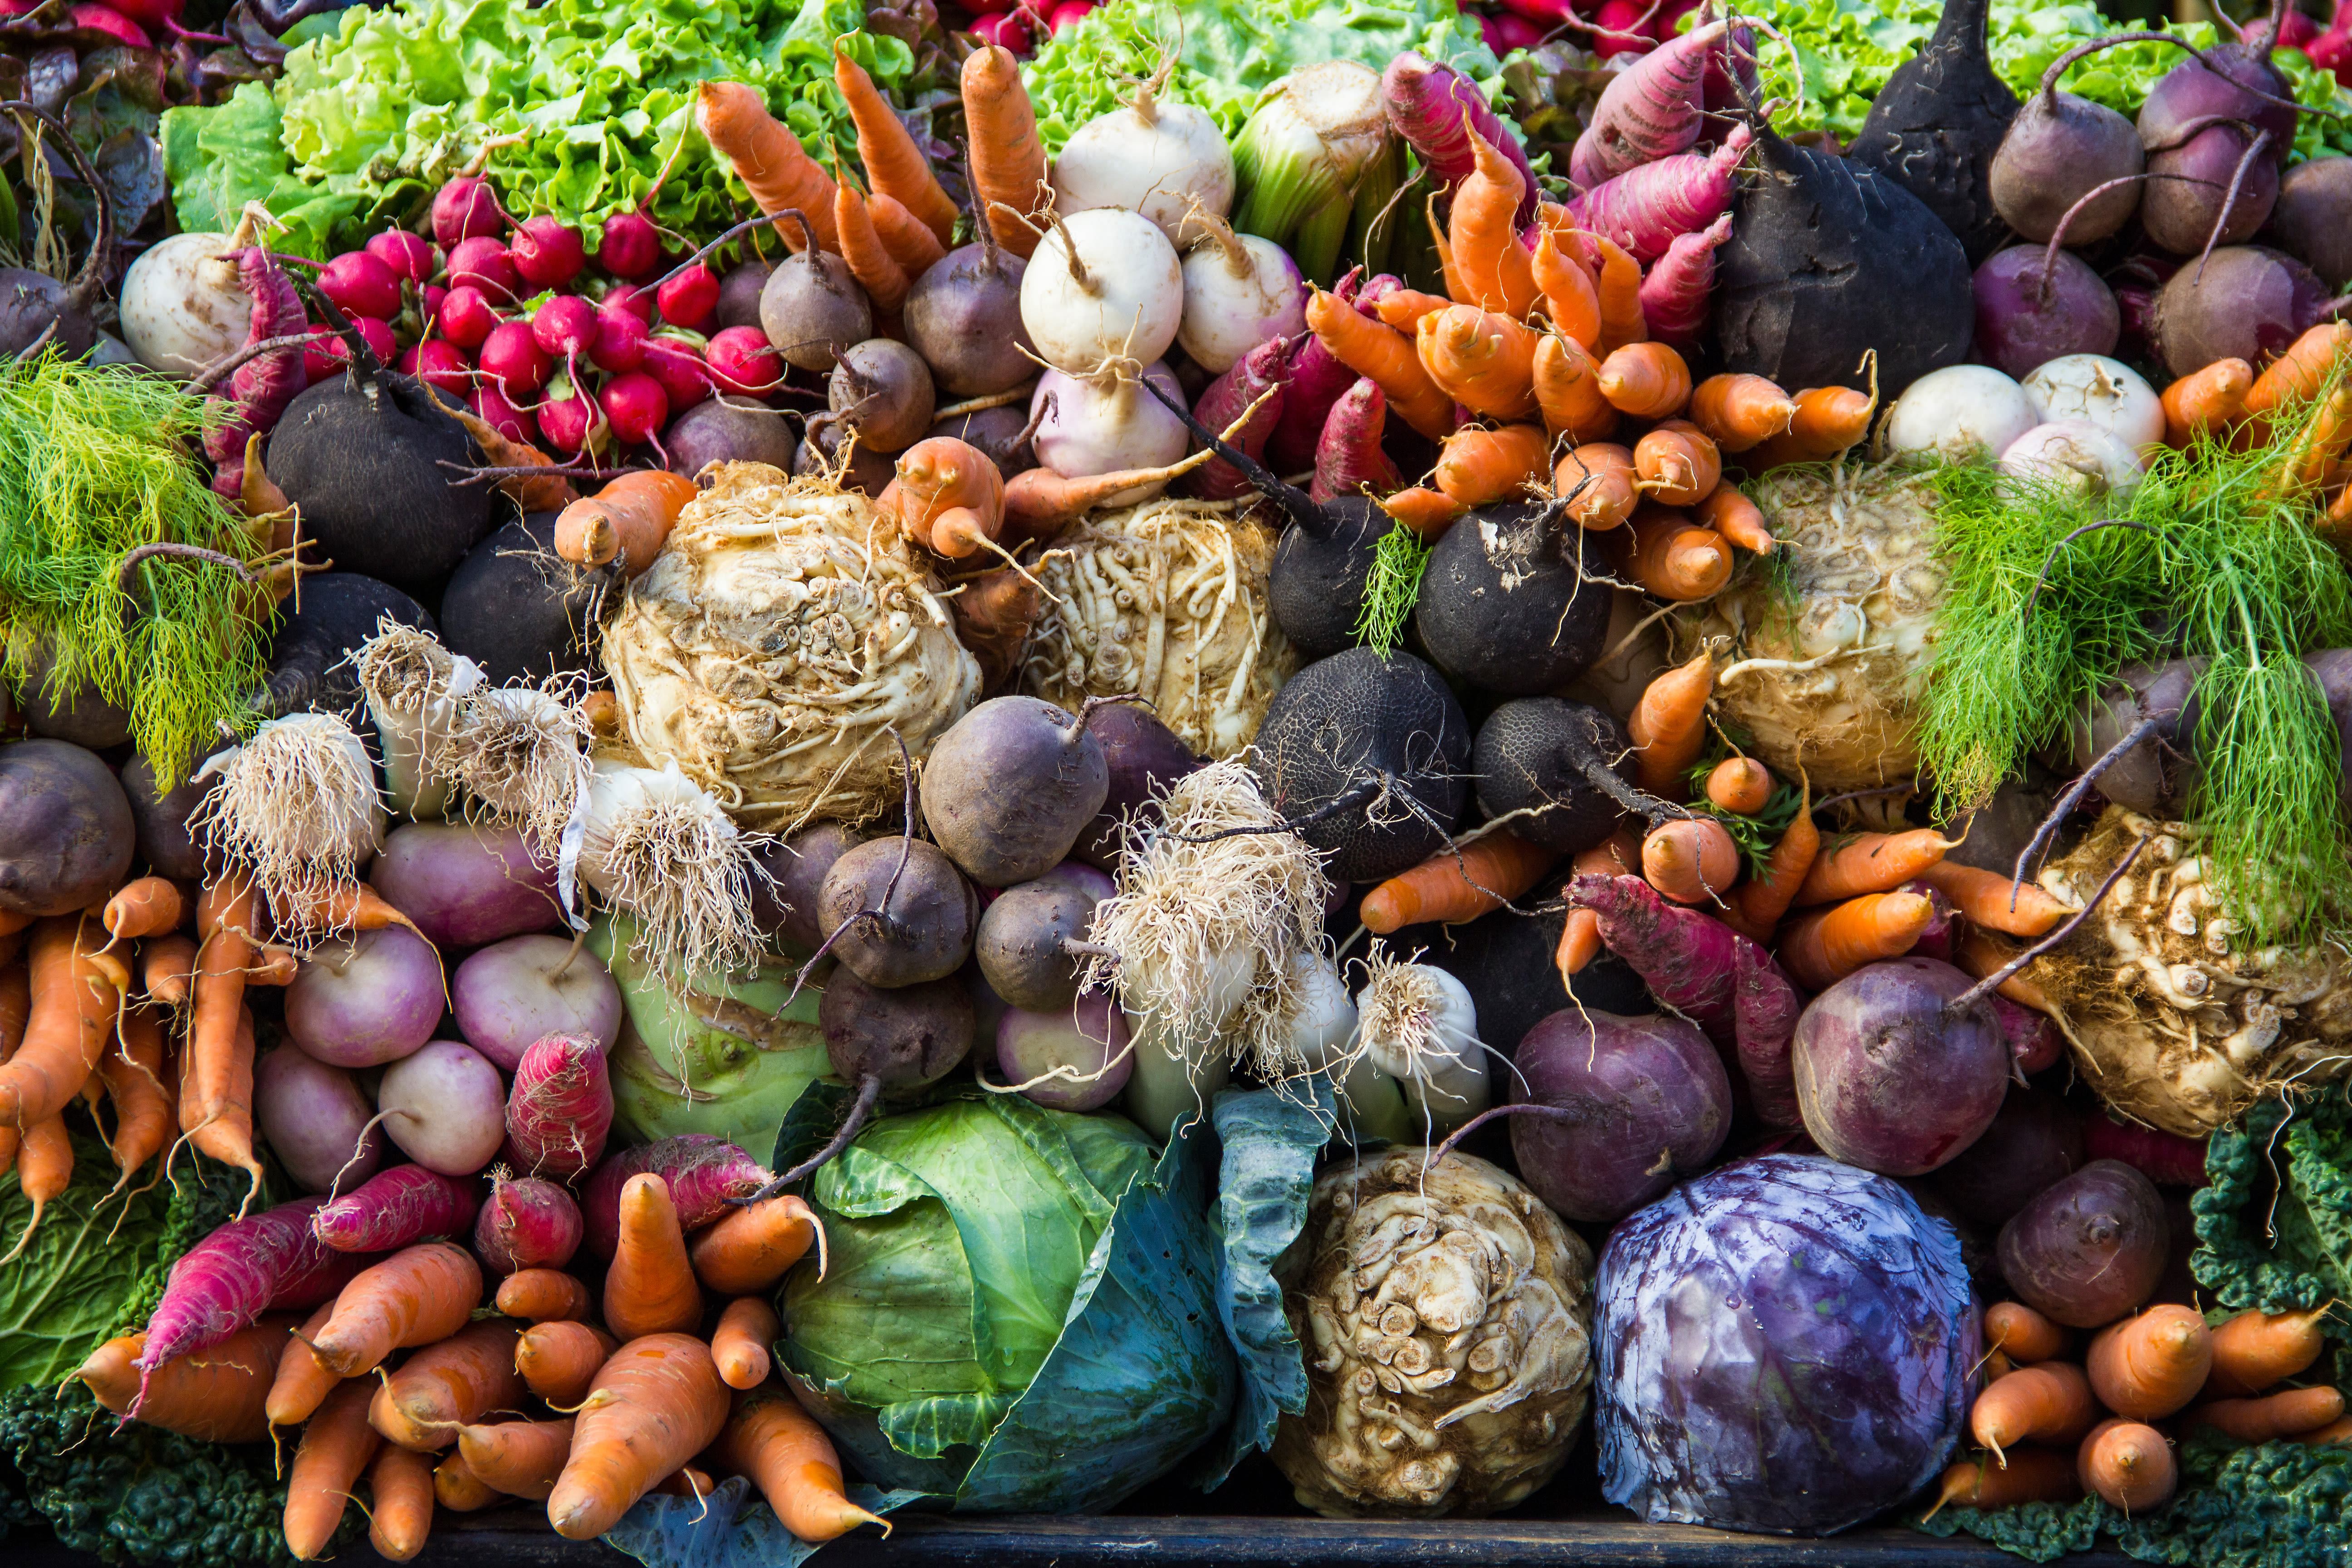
1387, 356
749, 1248
417, 1296
225, 920
401, 1483
876, 270
1598, 481
1691, 862
1039, 503
301, 1385
2305, 460
2255, 1350
1977, 955
2046, 1404
11, 922
1487, 256
543, 1295
628, 519
1455, 290
1740, 411
1645, 380
1985, 897
1457, 885
650, 1288
910, 244
463, 1378
1580, 938
2289, 1414
1567, 385
655, 1405
220, 1124
1739, 784
2299, 373
1404, 308
947, 495
1619, 288
894, 166
2151, 1365
273, 966
1427, 512
1570, 294
1829, 419
1678, 464
787, 1456
2207, 402
1872, 863
2127, 1464
44, 1170
457, 1487
1823, 946
335, 1450
558, 1360
768, 159
150, 906
2028, 1336
134, 1072
740, 1343
520, 1458
1738, 519
2337, 1431
167, 968
343, 907
1667, 555
1008, 163
1477, 467
1483, 360
1669, 725
213, 1395
73, 1017
2032, 1475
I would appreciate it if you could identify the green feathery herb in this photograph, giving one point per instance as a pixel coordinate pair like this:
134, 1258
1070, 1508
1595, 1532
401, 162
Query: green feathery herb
1755, 834
1391, 590
93, 464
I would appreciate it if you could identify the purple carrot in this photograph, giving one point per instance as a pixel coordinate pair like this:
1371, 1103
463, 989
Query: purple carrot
1643, 209
1650, 111
1265, 368
703, 1170
1765, 1005
1426, 104
393, 1208
1349, 460
228, 1281
261, 387
1675, 290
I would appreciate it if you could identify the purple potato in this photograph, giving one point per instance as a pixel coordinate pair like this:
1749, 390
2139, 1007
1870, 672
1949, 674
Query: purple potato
2089, 1249
525, 988
373, 999
1648, 1103
466, 885
1090, 1039
1888, 1078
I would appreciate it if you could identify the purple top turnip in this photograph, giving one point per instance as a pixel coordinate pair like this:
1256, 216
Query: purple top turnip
1080, 1054
466, 884
446, 1107
516, 992
315, 1120
371, 1000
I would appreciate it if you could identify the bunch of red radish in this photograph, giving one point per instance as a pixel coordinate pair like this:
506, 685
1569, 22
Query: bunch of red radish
1017, 23
545, 344
1605, 27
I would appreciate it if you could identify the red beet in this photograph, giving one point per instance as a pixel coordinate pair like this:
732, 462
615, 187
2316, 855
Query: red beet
1647, 1104
1891, 1076
2087, 1250
527, 1224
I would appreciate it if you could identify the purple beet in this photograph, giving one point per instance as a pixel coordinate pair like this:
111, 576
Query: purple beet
1890, 1076
1646, 1101
2245, 302
2235, 80
2087, 1250
1144, 756
2029, 315
2034, 1142
2312, 220
2215, 187
2057, 151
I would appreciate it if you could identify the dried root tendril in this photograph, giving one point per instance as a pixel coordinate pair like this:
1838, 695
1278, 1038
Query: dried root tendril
663, 850
401, 668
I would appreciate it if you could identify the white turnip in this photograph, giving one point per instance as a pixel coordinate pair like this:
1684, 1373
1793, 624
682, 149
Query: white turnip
1239, 290
1104, 287
373, 999
2097, 390
182, 305
2074, 454
446, 1107
1107, 422
1959, 411
1160, 160
316, 1121
514, 993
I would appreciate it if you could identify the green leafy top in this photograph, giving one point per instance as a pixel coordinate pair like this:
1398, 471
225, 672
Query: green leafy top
2275, 1218
1392, 588
1756, 833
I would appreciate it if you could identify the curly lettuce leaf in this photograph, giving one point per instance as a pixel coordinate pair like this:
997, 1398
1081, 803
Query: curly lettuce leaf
219, 159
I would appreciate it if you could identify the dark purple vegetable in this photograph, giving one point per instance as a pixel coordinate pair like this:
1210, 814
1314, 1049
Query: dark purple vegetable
812, 309
1022, 943
1088, 1039
1645, 1103
35, 307
825, 445
891, 1041
165, 843
519, 610
2313, 218
963, 316
1004, 433
2243, 302
310, 656
1935, 126
76, 711
784, 905
1507, 604
2089, 1249
2332, 668
2034, 1142
1010, 787
2060, 149
2157, 702
882, 390
2215, 186
921, 931
2234, 80
1890, 1076
1143, 756
722, 431
740, 290
66, 830
2029, 315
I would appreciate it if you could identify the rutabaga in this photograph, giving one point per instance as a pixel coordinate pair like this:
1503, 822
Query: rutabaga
1417, 1024
295, 807
1318, 141
1239, 290
414, 688
656, 845
1103, 288
1166, 161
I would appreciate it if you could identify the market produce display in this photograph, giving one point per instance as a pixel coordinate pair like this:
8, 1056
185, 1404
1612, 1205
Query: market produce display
768, 767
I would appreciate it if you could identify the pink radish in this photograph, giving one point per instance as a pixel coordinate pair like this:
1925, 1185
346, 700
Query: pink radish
1068, 13
743, 361
526, 1224
442, 365
631, 246
514, 362
1675, 290
1644, 208
1428, 102
704, 1171
565, 327
396, 1207
1317, 382
490, 406
465, 208
633, 298
1649, 111
561, 1109
410, 255
1349, 460
466, 318
635, 406
109, 24
570, 419
546, 254
620, 339
678, 365
688, 296
228, 1281
484, 263
1687, 959
1225, 399
325, 355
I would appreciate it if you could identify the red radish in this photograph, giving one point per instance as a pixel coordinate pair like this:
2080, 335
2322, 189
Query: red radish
228, 1281
1649, 111
325, 355
1644, 208
490, 406
466, 318
514, 362
442, 365
1619, 29
565, 327
435, 296
1666, 26
570, 419
689, 298
633, 298
146, 13
466, 208
1068, 13
620, 341
1675, 291
678, 365
1006, 30
526, 1224
395, 1208
1505, 33
742, 360
631, 246
704, 1171
560, 1110
409, 256
109, 24
1349, 460
546, 254
635, 406
360, 284
484, 263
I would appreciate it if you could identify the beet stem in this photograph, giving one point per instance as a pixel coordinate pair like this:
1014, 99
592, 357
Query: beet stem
185, 551
1293, 501
1516, 1107
2067, 803
1990, 982
229, 365
869, 1090
2237, 183
92, 276
2050, 77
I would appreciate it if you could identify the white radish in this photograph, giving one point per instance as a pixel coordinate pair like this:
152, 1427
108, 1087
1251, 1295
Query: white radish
2095, 390
183, 307
1417, 1024
1103, 287
296, 806
2080, 456
1959, 413
1239, 290
1166, 161
1104, 423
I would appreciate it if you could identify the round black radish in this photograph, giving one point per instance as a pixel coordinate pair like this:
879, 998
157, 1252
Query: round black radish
2180, 213
2244, 301
1009, 788
165, 843
1367, 753
820, 453
1316, 588
1535, 754
1504, 604
2312, 220
1020, 945
963, 316
883, 389
905, 1037
718, 431
739, 291
520, 611
309, 658
1829, 261
811, 308
67, 834
361, 456
77, 712
922, 932
786, 904
1144, 757
2060, 149
1935, 126
1003, 433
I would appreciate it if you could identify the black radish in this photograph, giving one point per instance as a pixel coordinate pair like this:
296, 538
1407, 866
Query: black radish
1935, 126
1506, 604
2313, 218
34, 307
1144, 758
2059, 150
520, 611
811, 308
1542, 755
309, 658
1368, 755
895, 911
1010, 787
66, 830
75, 711
1316, 588
963, 316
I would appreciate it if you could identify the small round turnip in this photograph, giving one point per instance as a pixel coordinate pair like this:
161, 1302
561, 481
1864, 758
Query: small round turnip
1023, 941
1010, 787
883, 389
893, 926
1080, 1053
373, 999
812, 309
514, 993
466, 884
315, 1120
2090, 1248
446, 1106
